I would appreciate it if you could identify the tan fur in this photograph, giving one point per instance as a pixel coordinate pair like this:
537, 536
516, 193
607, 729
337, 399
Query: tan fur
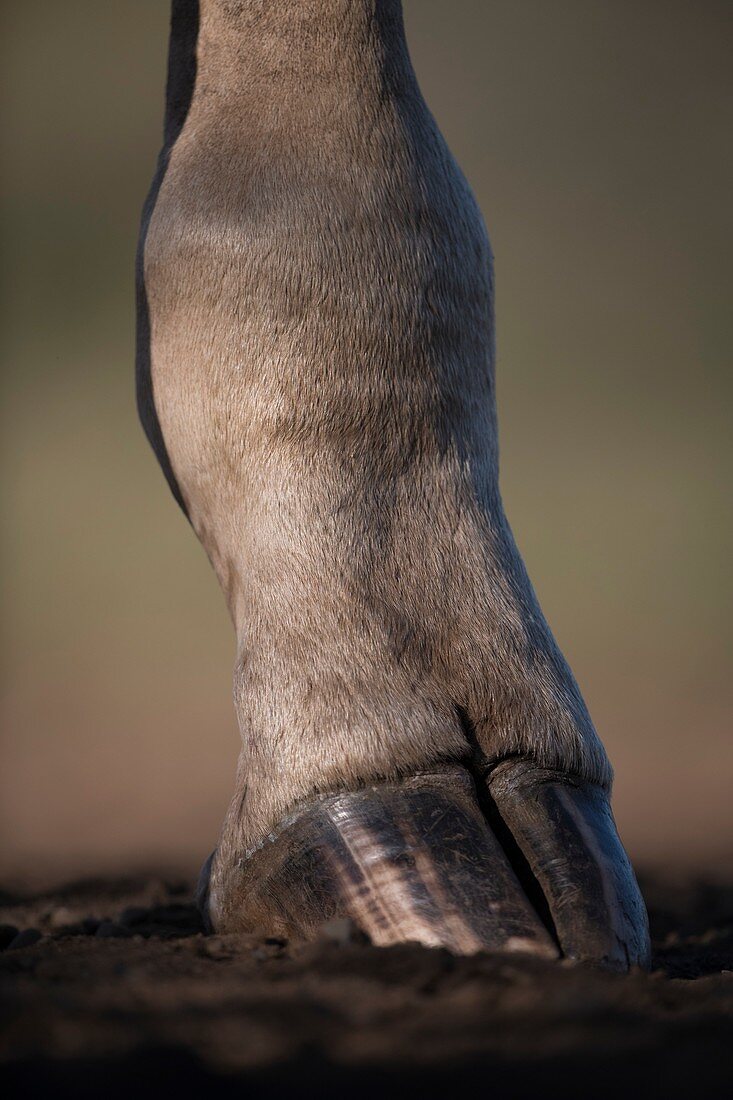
319, 283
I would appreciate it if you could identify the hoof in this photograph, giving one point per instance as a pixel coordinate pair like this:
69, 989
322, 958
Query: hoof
531, 864
564, 829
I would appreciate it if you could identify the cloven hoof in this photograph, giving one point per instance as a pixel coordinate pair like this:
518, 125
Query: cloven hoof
524, 859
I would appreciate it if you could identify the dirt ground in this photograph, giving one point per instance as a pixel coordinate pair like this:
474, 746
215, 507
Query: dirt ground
117, 993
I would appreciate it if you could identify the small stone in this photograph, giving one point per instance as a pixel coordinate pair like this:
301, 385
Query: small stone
8, 932
26, 938
90, 925
61, 917
108, 930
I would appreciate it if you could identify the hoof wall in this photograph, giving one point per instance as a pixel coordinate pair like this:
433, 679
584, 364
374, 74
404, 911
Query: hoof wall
408, 861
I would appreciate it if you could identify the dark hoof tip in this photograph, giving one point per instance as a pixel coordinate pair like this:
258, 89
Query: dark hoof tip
566, 846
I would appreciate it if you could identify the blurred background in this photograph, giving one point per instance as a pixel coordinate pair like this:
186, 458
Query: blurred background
597, 137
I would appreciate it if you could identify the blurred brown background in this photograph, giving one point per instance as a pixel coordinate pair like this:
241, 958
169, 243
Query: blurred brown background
597, 136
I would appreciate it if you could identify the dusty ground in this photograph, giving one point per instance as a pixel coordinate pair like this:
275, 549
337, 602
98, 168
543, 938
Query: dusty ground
122, 995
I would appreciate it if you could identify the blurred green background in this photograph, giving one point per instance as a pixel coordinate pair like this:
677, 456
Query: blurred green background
597, 137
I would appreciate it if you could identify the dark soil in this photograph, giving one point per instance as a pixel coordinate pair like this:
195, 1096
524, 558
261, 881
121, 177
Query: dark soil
119, 993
